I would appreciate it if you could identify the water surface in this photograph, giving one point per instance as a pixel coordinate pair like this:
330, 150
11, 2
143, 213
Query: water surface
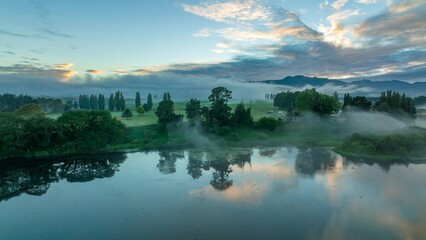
213, 194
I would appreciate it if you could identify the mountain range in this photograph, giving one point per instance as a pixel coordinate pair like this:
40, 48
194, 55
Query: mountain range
361, 87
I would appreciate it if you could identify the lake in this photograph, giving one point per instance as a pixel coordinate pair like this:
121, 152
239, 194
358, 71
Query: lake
236, 193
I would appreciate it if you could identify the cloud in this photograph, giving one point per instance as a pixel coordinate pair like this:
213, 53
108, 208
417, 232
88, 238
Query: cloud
59, 72
323, 4
202, 33
337, 33
402, 23
9, 52
57, 34
62, 66
251, 21
94, 71
14, 34
366, 1
339, 4
232, 11
264, 48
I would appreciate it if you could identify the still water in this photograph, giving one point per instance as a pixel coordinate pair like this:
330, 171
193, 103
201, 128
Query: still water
213, 194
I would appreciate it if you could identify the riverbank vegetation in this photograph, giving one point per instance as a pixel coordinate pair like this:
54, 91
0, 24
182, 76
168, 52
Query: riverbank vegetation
300, 119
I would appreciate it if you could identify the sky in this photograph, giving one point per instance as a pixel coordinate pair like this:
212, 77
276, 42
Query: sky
51, 47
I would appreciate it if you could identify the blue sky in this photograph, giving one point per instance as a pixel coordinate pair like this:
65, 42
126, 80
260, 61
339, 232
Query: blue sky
107, 44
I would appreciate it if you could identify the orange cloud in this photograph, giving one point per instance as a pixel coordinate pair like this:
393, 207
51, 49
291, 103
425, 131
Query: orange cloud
62, 66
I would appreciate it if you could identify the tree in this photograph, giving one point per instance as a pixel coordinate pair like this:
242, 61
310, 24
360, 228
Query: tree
127, 114
122, 102
140, 110
149, 102
193, 110
395, 103
88, 130
165, 112
29, 111
117, 103
242, 117
138, 100
101, 102
93, 102
111, 102
68, 105
10, 102
75, 105
285, 100
219, 113
148, 105
360, 102
311, 100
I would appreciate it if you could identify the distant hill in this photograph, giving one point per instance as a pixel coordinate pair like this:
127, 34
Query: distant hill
364, 86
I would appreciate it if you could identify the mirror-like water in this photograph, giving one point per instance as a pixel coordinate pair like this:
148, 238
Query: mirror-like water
214, 194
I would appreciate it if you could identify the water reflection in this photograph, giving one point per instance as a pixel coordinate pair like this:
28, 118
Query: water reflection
271, 193
35, 179
311, 160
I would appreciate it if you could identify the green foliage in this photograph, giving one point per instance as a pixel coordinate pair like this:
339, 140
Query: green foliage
89, 130
389, 145
242, 117
395, 103
50, 105
138, 100
360, 102
111, 102
10, 102
219, 113
223, 131
127, 114
101, 102
311, 100
74, 131
165, 112
286, 100
148, 105
267, 123
93, 102
140, 110
29, 110
68, 106
193, 109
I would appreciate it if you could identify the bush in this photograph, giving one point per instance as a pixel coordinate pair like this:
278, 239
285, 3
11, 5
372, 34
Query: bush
223, 131
267, 123
233, 136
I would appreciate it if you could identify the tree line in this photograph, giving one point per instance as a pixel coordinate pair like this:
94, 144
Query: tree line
28, 132
10, 102
308, 100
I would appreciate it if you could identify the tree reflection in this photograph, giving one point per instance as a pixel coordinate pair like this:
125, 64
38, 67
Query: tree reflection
220, 162
34, 178
196, 164
167, 162
310, 161
267, 152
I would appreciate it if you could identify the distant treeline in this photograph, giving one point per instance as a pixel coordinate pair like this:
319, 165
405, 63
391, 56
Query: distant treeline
10, 102
116, 102
309, 100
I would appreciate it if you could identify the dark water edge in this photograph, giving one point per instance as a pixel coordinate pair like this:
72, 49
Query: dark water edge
213, 193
